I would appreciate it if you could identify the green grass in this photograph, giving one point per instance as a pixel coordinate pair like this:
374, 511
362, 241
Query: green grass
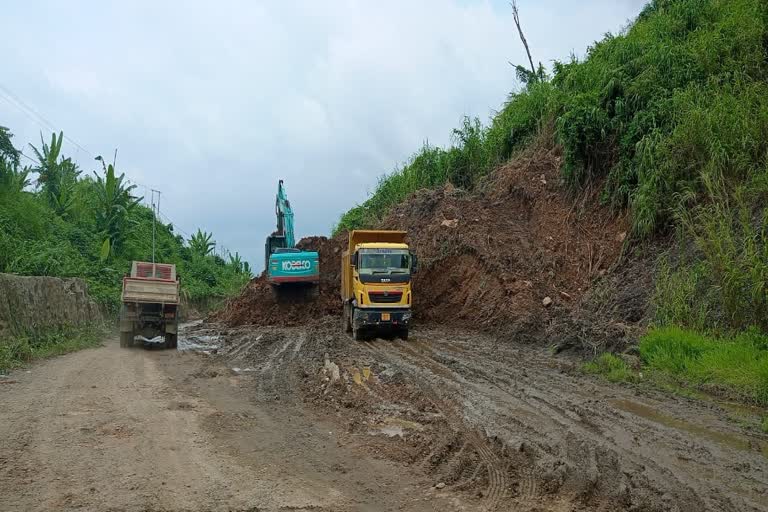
18, 350
764, 425
611, 367
735, 367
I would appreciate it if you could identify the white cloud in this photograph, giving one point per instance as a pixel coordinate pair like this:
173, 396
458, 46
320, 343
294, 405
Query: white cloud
213, 102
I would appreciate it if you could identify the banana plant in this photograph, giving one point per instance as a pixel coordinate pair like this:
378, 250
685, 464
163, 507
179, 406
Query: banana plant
13, 178
113, 204
201, 243
56, 175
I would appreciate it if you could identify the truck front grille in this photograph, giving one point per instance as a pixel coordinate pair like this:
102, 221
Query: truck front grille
385, 297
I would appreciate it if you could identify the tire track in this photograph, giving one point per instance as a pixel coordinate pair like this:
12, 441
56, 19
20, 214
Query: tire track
423, 356
496, 469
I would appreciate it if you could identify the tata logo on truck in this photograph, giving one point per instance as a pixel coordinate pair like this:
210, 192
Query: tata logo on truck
296, 265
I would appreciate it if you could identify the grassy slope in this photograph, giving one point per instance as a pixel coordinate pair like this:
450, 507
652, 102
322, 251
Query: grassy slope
670, 120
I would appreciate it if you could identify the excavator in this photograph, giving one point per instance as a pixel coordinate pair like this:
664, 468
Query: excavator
293, 273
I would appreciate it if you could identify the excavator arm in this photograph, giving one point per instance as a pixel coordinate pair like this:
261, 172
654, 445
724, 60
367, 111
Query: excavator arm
284, 214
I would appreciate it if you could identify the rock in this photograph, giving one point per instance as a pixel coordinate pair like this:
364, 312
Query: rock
547, 301
441, 485
332, 369
450, 223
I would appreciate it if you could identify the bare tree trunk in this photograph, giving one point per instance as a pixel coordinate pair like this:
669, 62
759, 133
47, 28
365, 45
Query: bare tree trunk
516, 16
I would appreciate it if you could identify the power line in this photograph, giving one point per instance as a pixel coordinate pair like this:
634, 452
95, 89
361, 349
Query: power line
30, 112
27, 157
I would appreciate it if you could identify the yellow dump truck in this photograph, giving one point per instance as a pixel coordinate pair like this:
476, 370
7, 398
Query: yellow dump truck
150, 303
376, 288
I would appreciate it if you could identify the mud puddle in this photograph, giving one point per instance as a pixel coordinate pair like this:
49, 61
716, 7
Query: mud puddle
194, 337
734, 441
396, 427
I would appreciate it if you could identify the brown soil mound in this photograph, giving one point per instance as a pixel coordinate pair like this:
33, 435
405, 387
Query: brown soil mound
515, 257
257, 305
512, 256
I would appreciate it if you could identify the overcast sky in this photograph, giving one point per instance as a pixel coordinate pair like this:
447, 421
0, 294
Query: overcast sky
213, 102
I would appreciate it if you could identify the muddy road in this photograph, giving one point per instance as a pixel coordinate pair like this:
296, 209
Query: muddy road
305, 419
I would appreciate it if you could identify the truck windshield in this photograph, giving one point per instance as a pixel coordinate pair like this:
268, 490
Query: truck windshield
383, 261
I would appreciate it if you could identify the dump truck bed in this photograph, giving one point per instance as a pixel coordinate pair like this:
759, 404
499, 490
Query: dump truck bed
151, 283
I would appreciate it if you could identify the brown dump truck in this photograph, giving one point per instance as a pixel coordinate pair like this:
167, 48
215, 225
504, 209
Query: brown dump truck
150, 303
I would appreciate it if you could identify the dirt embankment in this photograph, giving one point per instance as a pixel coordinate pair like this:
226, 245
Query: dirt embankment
256, 305
43, 302
518, 257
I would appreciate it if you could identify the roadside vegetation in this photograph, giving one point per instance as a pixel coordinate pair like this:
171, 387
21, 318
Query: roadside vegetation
667, 120
59, 220
20, 349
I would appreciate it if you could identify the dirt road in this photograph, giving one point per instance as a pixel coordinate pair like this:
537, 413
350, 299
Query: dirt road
306, 419
138, 430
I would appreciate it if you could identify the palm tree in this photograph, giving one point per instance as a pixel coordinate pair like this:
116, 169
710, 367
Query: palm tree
113, 204
201, 243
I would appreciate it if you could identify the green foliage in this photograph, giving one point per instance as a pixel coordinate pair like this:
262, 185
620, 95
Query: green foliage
734, 366
610, 366
56, 175
764, 425
682, 295
13, 179
201, 244
650, 113
19, 350
114, 203
723, 283
7, 151
39, 237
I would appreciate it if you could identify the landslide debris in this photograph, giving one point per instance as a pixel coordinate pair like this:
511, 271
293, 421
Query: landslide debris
514, 257
256, 305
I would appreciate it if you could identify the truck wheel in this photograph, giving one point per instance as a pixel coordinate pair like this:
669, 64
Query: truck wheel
404, 334
171, 340
357, 334
126, 339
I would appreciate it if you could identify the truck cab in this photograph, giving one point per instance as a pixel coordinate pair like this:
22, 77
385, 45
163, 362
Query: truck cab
376, 283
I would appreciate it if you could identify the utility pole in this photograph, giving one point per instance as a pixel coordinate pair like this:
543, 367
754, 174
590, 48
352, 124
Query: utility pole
155, 212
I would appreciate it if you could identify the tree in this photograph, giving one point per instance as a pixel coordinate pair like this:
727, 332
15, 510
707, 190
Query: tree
12, 177
113, 204
240, 266
524, 75
56, 175
7, 151
201, 243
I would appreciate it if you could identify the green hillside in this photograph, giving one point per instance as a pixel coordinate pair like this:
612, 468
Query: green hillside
670, 120
59, 220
